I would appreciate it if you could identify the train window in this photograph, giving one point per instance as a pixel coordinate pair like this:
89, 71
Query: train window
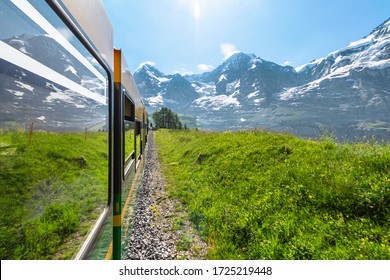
129, 134
138, 148
129, 109
53, 134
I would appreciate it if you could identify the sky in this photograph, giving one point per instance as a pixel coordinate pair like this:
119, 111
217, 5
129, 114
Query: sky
195, 36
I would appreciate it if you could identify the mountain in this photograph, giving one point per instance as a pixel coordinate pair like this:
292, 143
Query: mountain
240, 76
346, 93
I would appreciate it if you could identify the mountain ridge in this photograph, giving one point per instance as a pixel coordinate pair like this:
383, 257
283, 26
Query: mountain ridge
346, 92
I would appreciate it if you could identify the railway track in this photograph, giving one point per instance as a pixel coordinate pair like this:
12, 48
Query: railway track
159, 230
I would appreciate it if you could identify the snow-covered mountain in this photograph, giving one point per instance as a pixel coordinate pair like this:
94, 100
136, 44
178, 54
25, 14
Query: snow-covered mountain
159, 89
237, 82
370, 52
346, 93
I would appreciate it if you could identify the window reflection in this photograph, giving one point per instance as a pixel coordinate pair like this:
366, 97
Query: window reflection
53, 134
46, 69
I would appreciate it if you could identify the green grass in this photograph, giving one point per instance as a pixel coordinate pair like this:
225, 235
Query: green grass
51, 191
259, 195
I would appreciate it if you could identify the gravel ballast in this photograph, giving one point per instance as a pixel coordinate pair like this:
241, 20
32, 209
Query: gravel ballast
160, 229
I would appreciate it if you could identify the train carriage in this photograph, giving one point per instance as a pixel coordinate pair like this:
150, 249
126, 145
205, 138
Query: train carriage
73, 129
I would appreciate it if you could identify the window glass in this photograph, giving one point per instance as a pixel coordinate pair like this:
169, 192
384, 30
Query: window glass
129, 142
53, 135
138, 139
129, 137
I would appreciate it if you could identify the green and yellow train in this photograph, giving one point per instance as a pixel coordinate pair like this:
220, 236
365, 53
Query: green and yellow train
73, 130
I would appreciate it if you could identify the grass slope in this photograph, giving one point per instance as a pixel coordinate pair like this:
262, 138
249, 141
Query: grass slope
51, 191
259, 195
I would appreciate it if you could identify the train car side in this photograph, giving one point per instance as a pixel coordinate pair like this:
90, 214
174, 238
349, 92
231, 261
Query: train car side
69, 141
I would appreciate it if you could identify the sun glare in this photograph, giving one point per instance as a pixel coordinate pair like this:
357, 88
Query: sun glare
194, 6
196, 9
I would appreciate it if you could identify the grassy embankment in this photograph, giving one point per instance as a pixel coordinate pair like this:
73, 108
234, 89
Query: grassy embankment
51, 191
259, 195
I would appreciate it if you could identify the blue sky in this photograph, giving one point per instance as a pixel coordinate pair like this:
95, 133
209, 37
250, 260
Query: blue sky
193, 36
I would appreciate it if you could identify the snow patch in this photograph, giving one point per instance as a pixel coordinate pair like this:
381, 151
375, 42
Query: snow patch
223, 77
362, 42
258, 100
233, 87
16, 93
80, 106
309, 65
204, 88
24, 86
160, 79
71, 70
253, 94
217, 102
144, 64
156, 100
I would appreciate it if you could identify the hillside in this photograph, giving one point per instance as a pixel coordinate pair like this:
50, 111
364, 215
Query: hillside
261, 195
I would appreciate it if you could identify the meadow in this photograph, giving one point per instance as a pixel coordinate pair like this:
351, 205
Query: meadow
262, 195
53, 187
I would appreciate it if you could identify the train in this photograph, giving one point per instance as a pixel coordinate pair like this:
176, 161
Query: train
73, 133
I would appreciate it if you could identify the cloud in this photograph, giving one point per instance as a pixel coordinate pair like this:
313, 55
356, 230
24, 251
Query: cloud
205, 67
227, 50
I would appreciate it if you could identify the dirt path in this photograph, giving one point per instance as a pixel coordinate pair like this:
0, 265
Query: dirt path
161, 230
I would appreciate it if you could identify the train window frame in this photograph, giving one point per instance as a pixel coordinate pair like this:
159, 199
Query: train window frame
128, 120
129, 107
